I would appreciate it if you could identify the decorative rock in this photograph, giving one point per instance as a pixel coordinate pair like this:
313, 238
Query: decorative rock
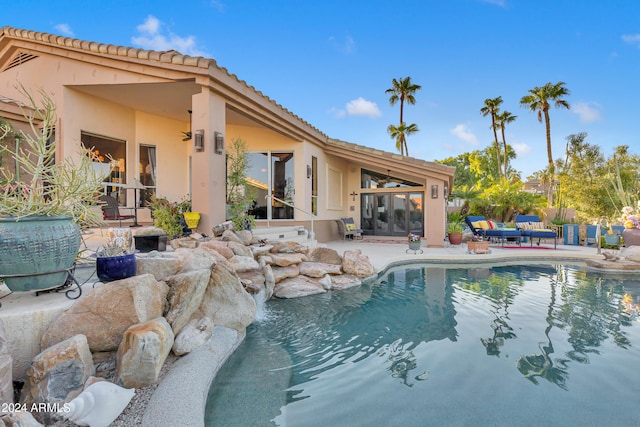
345, 281
185, 296
253, 281
199, 259
244, 263
220, 228
99, 404
220, 246
184, 242
104, 314
281, 273
142, 352
318, 269
239, 249
326, 255
230, 236
619, 265
192, 336
353, 262
19, 419
160, 265
225, 301
6, 379
57, 375
630, 253
260, 250
284, 260
245, 236
269, 281
295, 287
326, 282
6, 369
288, 248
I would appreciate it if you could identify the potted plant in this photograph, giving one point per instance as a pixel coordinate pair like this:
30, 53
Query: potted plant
478, 245
42, 203
239, 194
169, 216
414, 241
115, 262
454, 227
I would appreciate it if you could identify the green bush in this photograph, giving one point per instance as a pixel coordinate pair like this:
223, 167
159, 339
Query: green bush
169, 215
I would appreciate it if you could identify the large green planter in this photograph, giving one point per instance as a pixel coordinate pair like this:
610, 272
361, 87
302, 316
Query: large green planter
35, 251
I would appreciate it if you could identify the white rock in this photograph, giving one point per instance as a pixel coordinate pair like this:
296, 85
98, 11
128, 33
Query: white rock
99, 404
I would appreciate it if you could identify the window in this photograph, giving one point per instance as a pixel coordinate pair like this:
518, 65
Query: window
270, 177
314, 185
112, 152
148, 173
370, 179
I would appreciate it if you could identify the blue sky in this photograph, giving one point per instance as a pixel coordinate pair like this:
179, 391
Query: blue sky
330, 62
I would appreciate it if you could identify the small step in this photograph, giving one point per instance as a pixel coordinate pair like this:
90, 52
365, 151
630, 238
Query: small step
284, 233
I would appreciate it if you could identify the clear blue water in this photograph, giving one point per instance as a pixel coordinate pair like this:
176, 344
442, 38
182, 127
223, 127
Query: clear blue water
504, 345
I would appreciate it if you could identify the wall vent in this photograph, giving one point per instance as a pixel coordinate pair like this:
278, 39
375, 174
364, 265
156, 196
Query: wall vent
20, 59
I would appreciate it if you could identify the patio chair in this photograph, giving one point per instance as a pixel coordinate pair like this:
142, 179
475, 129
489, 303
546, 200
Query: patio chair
490, 230
111, 210
347, 228
533, 228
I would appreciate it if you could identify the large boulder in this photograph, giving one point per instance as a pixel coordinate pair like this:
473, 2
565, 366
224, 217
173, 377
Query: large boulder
57, 375
284, 260
225, 301
219, 246
281, 273
161, 265
631, 253
253, 281
345, 281
104, 314
288, 248
269, 281
185, 296
230, 236
142, 352
242, 264
318, 269
245, 236
299, 286
196, 333
353, 262
325, 255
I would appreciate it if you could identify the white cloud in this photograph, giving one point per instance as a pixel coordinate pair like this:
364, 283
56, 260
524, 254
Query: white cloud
356, 107
501, 3
347, 46
64, 29
587, 111
151, 37
520, 148
632, 39
362, 107
462, 132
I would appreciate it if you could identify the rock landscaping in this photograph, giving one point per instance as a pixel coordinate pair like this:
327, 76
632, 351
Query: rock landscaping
124, 331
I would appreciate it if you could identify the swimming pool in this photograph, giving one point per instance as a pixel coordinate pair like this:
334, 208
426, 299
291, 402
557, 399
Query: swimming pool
503, 345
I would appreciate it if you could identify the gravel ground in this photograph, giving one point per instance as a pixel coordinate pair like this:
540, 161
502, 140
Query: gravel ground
132, 414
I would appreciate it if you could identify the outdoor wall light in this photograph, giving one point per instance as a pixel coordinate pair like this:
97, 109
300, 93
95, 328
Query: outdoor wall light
198, 140
308, 171
219, 143
446, 192
434, 191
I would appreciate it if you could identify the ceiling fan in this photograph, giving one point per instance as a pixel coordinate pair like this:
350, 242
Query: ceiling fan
187, 135
387, 180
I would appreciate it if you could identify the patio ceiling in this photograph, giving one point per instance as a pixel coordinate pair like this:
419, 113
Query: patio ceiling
171, 100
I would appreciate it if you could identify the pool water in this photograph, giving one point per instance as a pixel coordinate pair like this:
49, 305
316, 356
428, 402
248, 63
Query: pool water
501, 345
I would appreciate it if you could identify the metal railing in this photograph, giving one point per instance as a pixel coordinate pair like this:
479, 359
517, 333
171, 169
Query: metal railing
312, 234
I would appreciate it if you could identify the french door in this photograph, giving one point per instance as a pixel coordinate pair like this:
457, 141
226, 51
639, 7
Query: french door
392, 214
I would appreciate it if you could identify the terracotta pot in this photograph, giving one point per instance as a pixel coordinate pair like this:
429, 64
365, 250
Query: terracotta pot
455, 238
631, 237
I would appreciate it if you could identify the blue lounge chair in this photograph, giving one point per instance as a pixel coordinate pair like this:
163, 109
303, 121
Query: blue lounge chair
475, 223
533, 228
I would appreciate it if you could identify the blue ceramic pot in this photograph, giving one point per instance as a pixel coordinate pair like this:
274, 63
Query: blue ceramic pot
116, 267
35, 251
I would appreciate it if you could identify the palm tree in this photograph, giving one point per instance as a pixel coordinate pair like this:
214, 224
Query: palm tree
492, 107
399, 133
540, 99
502, 120
403, 89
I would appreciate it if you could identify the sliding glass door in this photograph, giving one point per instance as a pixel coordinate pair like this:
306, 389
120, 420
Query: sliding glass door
392, 214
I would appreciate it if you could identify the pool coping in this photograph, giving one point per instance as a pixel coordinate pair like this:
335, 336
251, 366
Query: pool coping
181, 398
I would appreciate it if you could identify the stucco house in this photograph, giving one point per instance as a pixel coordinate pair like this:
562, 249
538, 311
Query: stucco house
166, 119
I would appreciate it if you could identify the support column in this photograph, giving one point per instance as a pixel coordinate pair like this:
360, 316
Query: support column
208, 173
